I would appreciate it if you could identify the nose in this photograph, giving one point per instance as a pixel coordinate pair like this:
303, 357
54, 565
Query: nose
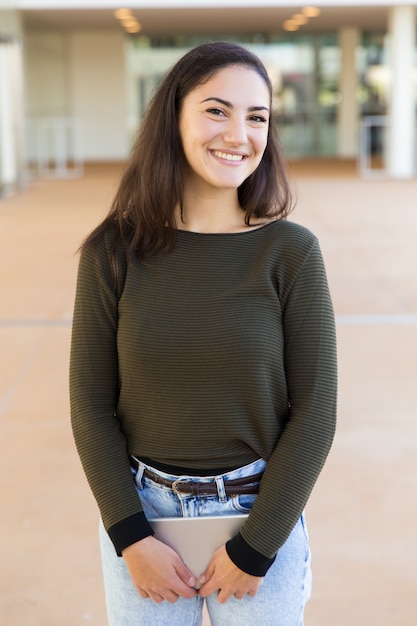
235, 133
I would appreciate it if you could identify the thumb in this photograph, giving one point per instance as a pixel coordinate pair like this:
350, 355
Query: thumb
206, 575
185, 574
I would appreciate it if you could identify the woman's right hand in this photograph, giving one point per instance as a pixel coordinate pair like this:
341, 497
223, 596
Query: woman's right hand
158, 572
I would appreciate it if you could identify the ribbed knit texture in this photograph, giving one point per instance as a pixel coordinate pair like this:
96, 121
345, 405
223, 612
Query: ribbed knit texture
215, 355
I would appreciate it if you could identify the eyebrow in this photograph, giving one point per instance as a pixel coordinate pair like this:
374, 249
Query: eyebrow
230, 105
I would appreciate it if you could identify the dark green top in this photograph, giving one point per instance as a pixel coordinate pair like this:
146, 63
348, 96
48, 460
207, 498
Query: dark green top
215, 355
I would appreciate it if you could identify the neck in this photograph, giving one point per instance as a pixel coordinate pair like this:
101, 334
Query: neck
216, 212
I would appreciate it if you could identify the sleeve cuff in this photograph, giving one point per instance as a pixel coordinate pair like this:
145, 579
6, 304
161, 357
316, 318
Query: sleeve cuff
247, 558
129, 531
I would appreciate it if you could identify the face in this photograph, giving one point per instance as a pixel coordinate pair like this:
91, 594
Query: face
224, 127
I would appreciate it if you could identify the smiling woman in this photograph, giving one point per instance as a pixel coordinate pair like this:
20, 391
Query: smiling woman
203, 376
151, 196
224, 132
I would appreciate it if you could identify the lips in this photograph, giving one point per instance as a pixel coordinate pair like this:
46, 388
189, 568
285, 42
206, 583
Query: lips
228, 156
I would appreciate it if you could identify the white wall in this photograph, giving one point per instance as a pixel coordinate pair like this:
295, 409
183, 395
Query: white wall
10, 22
79, 74
98, 93
46, 72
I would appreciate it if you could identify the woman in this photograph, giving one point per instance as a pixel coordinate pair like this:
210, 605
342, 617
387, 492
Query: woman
203, 347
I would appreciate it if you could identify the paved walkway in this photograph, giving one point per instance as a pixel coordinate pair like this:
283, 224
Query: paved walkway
363, 513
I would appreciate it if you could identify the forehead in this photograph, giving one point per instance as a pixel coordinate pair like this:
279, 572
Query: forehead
233, 83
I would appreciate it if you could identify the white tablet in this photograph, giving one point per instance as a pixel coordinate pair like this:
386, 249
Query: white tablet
197, 538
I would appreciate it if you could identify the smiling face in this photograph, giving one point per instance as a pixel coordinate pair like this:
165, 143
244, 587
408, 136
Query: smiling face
224, 128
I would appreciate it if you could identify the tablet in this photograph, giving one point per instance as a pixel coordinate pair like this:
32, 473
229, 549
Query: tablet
197, 538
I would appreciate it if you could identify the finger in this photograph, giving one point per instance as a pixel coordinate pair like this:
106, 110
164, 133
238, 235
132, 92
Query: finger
185, 574
156, 597
207, 589
223, 596
185, 591
164, 594
205, 577
171, 597
239, 595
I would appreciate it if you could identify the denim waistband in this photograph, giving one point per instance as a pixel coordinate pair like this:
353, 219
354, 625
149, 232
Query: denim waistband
190, 483
241, 472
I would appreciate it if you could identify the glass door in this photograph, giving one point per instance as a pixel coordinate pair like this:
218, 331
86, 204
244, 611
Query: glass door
304, 71
307, 98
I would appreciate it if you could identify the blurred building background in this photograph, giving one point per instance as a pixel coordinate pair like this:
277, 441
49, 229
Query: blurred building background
75, 77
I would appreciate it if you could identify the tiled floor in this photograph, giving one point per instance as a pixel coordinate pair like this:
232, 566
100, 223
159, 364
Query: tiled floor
363, 512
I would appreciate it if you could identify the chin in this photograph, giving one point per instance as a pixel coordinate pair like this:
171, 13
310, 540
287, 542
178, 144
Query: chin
231, 182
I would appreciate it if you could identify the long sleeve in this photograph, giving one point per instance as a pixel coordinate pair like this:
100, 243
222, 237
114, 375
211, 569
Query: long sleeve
94, 391
311, 373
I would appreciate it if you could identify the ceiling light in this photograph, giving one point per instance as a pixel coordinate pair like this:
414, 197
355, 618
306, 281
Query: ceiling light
135, 28
300, 19
311, 11
290, 25
122, 14
129, 21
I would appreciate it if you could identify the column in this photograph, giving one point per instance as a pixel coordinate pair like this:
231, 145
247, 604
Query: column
348, 114
11, 98
402, 122
8, 162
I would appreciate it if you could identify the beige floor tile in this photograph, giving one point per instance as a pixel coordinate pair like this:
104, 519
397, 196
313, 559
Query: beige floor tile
363, 512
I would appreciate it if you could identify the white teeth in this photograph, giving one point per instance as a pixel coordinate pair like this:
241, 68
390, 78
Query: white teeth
228, 157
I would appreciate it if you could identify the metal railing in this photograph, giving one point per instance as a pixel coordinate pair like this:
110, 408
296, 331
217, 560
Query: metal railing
59, 151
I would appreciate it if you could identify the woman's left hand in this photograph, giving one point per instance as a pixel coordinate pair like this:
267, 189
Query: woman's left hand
224, 576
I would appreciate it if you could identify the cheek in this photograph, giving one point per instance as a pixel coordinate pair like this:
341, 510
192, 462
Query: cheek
260, 150
263, 142
187, 145
259, 141
190, 136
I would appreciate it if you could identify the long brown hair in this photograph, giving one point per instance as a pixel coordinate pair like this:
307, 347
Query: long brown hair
142, 212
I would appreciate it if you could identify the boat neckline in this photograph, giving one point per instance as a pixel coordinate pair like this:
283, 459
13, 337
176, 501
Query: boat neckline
249, 231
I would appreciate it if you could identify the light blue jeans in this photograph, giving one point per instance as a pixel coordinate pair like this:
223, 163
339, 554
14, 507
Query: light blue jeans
280, 600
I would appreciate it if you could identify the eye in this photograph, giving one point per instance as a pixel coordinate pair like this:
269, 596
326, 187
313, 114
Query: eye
215, 111
259, 119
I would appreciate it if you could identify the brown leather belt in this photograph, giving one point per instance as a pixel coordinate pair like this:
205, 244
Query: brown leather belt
188, 486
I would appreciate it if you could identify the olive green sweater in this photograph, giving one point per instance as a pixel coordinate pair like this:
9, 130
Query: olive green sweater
215, 355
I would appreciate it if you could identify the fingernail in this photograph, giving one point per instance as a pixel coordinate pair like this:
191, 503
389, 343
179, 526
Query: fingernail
192, 581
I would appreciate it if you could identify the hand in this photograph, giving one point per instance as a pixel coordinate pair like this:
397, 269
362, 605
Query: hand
158, 572
224, 576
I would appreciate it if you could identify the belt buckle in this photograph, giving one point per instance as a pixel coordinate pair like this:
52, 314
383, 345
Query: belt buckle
175, 485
